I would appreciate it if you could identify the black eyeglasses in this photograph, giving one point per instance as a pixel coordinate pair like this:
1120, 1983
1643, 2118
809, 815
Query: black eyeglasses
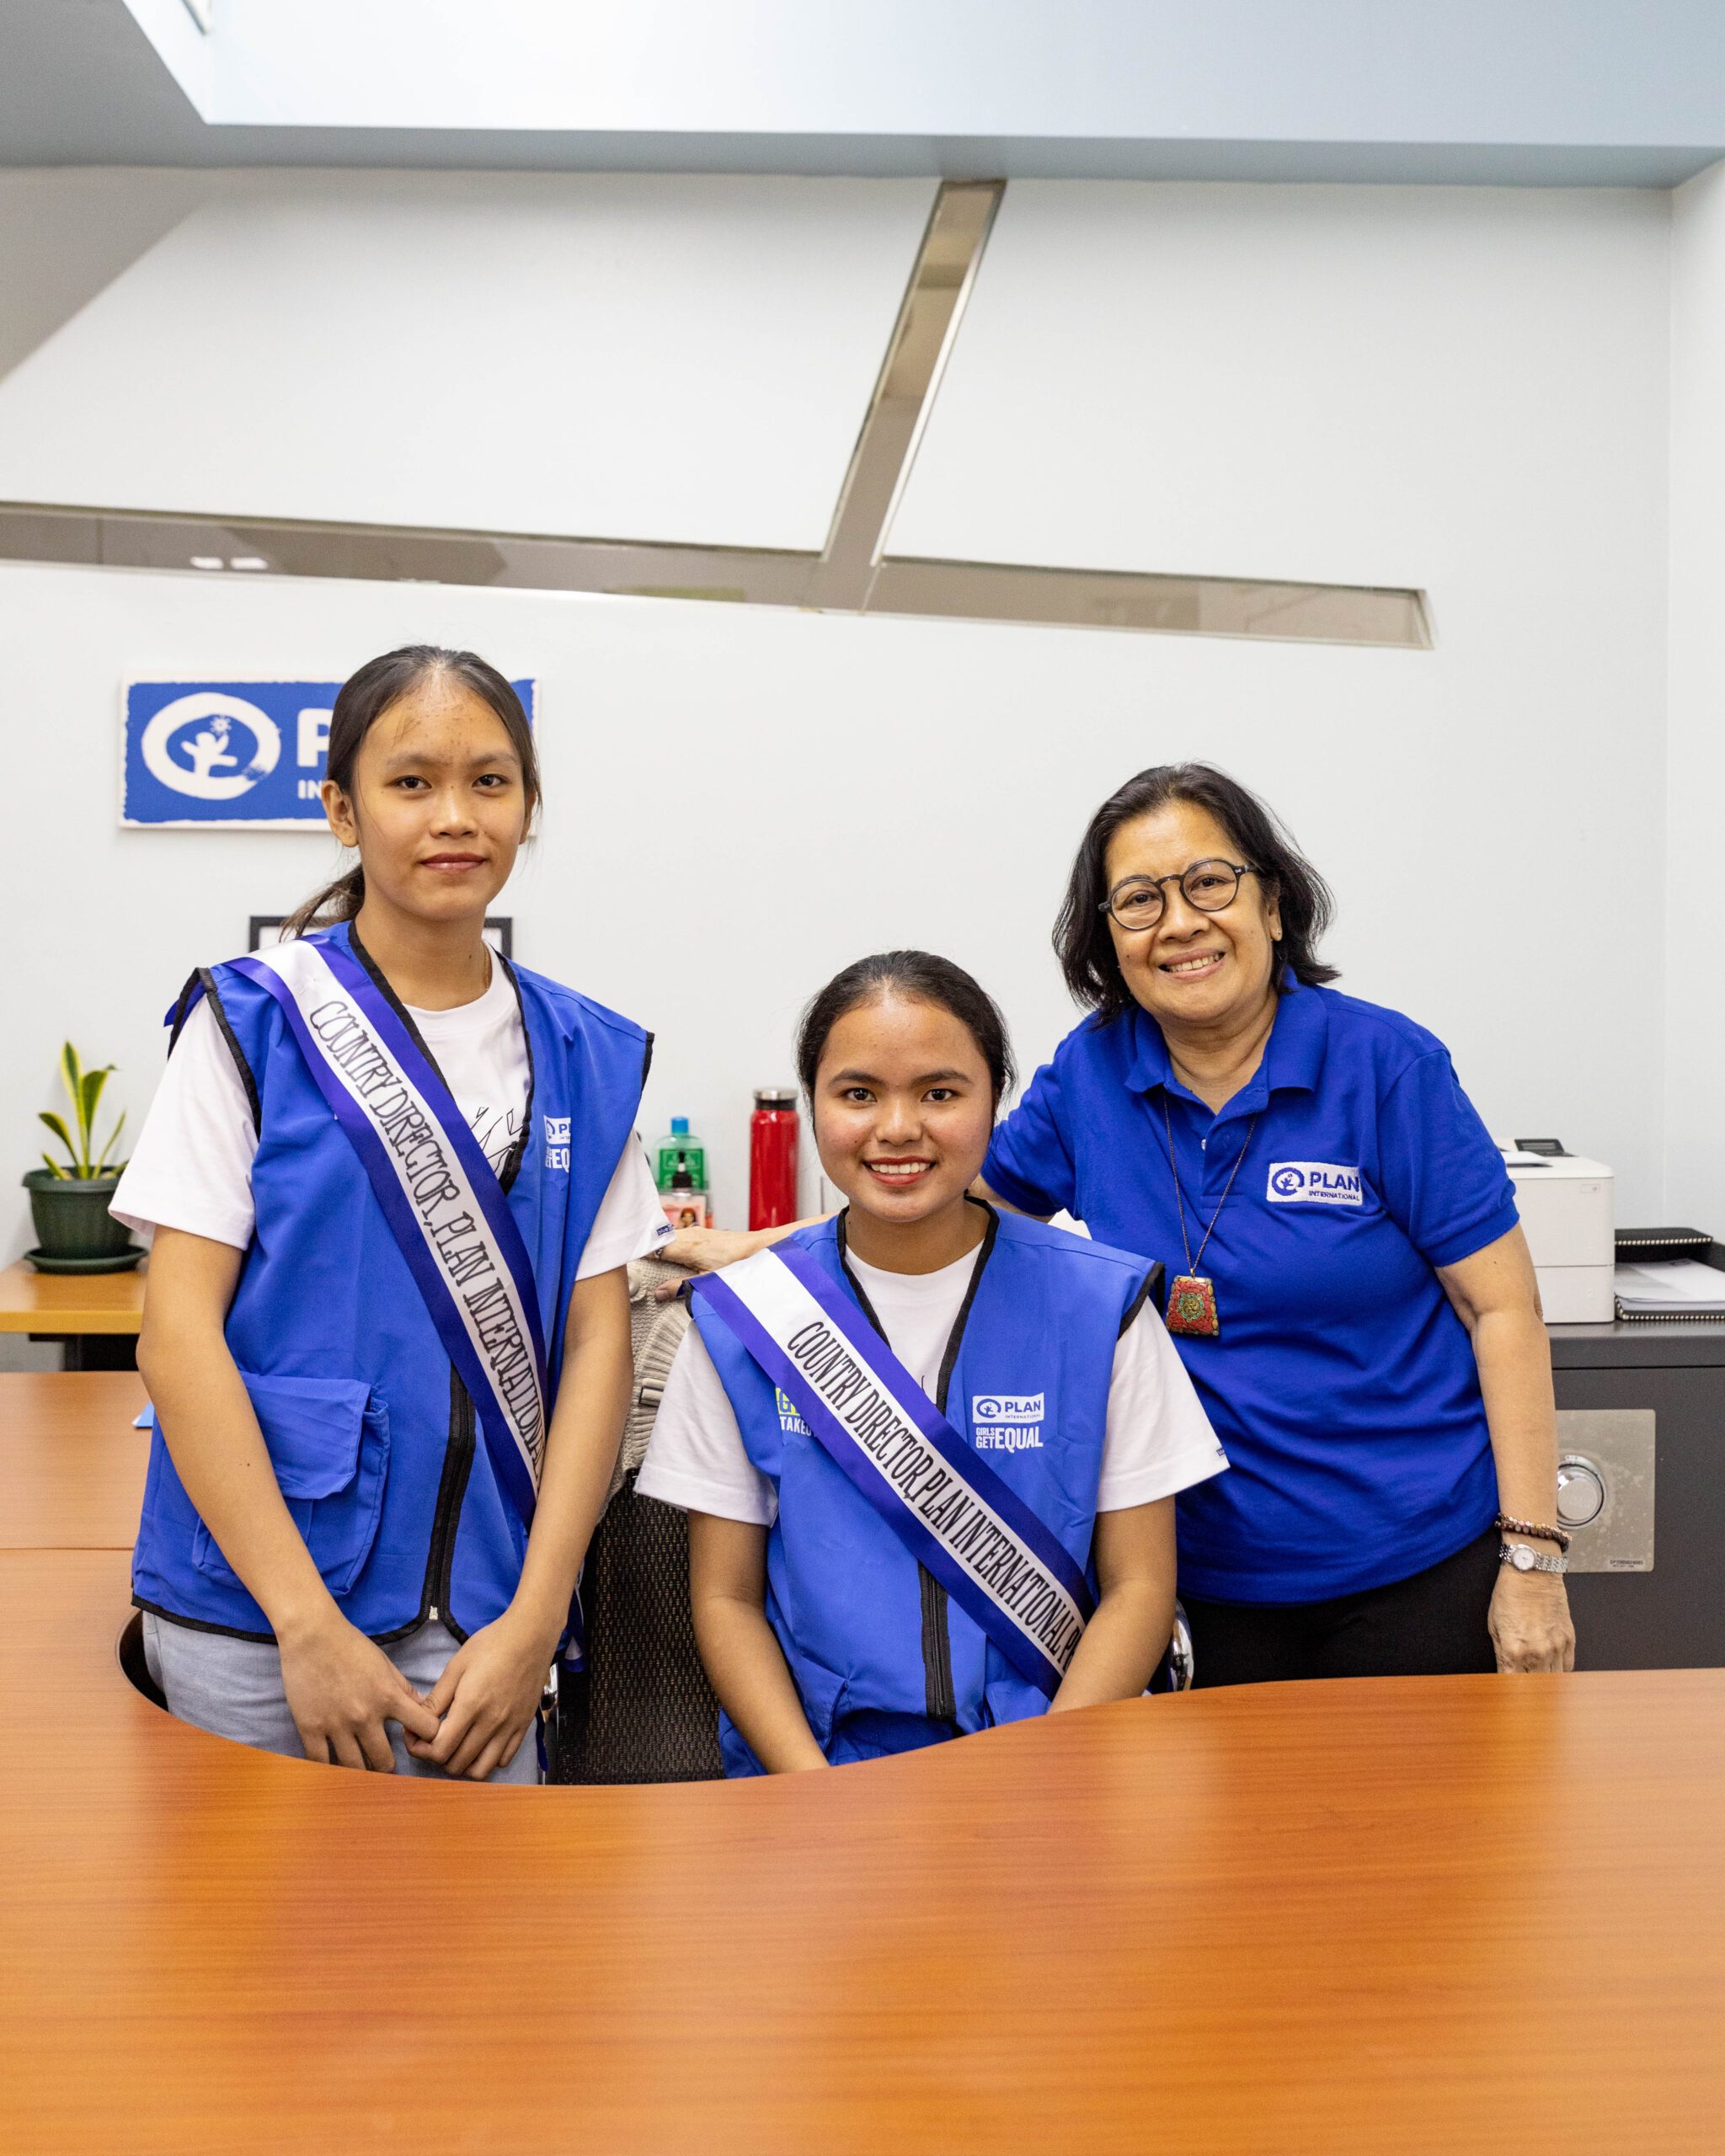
1137, 901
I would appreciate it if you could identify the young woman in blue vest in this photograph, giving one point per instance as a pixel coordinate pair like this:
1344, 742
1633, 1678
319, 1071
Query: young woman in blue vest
1358, 1308
329, 1560
824, 1638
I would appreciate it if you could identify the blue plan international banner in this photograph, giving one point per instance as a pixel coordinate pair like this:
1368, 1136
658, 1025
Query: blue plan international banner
237, 755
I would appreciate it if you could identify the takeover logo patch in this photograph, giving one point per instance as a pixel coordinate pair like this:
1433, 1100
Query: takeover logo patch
1313, 1182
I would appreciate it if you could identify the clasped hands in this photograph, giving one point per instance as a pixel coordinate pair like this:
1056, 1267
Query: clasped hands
342, 1689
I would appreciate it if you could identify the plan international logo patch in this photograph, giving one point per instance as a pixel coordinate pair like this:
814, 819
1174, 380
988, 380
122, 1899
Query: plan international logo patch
789, 1420
1313, 1182
557, 1141
1007, 1422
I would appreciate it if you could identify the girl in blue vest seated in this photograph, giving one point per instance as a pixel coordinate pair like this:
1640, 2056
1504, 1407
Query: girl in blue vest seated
928, 1451
392, 1185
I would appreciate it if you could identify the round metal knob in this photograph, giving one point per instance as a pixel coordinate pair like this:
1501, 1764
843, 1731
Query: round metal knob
1581, 1493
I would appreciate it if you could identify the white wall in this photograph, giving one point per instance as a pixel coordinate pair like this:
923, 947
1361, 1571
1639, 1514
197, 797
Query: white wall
1695, 835
1468, 390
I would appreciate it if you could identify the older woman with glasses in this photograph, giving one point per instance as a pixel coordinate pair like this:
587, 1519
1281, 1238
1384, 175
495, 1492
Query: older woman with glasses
1350, 1288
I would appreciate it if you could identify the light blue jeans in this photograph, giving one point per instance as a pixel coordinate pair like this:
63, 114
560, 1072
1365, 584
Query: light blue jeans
232, 1687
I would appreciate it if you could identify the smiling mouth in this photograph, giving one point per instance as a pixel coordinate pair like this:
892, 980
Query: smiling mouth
1192, 968
454, 861
899, 1173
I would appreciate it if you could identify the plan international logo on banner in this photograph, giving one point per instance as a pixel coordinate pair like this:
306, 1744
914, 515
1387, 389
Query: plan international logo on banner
239, 754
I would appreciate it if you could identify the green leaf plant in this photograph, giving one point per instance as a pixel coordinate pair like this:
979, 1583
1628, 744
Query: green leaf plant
84, 1089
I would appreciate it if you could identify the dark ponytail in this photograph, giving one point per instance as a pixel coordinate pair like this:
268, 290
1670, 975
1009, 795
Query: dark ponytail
917, 977
360, 703
340, 901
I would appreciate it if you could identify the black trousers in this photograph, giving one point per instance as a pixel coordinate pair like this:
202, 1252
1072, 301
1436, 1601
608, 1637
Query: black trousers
1431, 1625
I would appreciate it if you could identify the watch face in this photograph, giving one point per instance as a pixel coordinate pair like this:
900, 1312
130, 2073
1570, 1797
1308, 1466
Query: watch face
1522, 1560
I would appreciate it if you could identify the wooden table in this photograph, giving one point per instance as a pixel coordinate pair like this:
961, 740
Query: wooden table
1461, 1914
81, 1308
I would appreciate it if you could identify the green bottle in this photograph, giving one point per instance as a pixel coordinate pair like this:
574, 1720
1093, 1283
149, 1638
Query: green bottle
679, 1147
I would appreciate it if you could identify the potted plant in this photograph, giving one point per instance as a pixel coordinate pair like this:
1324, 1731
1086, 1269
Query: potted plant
75, 1231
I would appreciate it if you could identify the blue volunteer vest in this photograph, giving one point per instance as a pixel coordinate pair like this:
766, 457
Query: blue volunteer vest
883, 1661
373, 1436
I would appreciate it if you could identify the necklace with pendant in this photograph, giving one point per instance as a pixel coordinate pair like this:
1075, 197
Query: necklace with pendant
1192, 1298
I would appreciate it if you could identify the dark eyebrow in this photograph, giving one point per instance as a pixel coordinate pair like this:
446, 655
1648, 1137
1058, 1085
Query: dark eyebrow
928, 1078
404, 758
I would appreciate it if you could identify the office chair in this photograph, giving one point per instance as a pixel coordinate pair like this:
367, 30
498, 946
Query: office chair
642, 1711
134, 1665
1179, 1664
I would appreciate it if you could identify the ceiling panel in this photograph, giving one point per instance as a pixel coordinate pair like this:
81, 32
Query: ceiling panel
1361, 385
604, 356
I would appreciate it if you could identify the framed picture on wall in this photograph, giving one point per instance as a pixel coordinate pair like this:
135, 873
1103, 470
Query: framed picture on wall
265, 930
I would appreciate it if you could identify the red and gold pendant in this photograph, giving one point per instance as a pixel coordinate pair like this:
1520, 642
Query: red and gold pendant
1191, 1306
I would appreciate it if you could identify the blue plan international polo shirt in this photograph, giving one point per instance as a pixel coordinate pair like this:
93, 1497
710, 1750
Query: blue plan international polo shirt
1342, 1385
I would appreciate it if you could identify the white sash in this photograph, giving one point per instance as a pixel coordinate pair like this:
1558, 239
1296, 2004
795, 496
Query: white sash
438, 1191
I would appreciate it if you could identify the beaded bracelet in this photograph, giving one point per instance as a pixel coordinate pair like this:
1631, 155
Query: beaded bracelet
1532, 1530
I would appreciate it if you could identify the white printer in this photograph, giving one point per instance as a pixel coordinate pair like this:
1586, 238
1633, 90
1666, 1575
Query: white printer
1565, 1204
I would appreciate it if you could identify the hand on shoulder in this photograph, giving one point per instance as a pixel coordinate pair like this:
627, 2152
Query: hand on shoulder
705, 1249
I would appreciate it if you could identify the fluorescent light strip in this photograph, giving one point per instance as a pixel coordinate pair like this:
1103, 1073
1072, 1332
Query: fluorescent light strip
976, 591
851, 573
1171, 605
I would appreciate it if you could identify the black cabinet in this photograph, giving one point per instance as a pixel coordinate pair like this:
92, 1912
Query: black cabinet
1673, 1615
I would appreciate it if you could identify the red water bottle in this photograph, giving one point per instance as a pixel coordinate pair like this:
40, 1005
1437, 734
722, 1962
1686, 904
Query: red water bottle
773, 1158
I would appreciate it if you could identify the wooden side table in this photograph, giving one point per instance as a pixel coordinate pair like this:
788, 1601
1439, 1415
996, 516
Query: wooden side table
94, 1316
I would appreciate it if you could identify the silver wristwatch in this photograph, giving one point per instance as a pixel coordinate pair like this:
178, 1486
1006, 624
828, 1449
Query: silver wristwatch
1529, 1560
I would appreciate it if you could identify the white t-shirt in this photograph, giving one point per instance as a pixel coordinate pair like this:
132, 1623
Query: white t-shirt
191, 1167
1158, 1439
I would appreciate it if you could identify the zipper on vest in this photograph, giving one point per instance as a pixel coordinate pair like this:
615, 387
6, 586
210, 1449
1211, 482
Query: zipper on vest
451, 1489
936, 1651
938, 1689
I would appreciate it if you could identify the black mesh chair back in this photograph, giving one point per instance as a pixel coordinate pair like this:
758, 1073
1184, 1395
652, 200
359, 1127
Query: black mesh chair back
642, 1711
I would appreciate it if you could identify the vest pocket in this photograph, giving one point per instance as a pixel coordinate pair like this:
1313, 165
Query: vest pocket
328, 1442
822, 1694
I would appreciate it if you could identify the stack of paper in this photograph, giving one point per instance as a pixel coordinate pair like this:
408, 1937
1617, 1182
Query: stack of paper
1682, 1286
